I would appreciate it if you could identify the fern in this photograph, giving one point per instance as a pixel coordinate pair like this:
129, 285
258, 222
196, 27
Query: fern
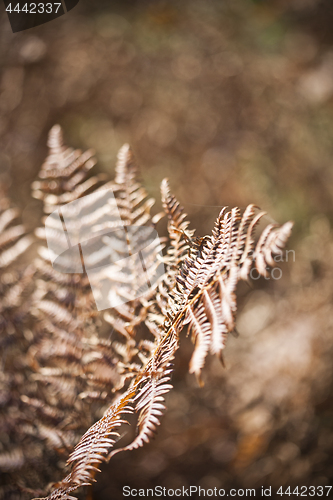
128, 367
15, 287
198, 289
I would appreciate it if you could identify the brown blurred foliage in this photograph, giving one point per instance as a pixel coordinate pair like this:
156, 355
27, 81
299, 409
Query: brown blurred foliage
233, 101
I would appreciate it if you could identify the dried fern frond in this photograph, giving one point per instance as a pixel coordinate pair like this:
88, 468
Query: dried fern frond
67, 356
13, 239
180, 241
132, 199
13, 281
144, 396
177, 227
205, 293
64, 175
15, 287
135, 211
271, 244
203, 296
57, 390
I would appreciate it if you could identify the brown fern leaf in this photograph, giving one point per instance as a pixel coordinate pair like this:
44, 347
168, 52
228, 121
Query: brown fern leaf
13, 281
197, 289
271, 244
177, 227
64, 302
13, 241
134, 206
205, 293
68, 357
153, 382
135, 211
207, 318
15, 287
95, 444
74, 369
180, 240
144, 396
64, 175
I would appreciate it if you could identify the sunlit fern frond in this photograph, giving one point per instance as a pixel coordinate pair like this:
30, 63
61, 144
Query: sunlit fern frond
132, 198
205, 293
64, 176
134, 285
144, 397
179, 244
197, 288
270, 245
67, 355
93, 448
150, 385
177, 227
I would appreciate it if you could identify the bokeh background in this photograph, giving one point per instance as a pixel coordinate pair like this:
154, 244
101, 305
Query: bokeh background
232, 100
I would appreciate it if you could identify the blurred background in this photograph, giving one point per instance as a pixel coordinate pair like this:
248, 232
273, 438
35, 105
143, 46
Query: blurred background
232, 100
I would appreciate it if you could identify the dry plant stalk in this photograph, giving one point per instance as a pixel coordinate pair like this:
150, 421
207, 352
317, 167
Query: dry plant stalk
71, 371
